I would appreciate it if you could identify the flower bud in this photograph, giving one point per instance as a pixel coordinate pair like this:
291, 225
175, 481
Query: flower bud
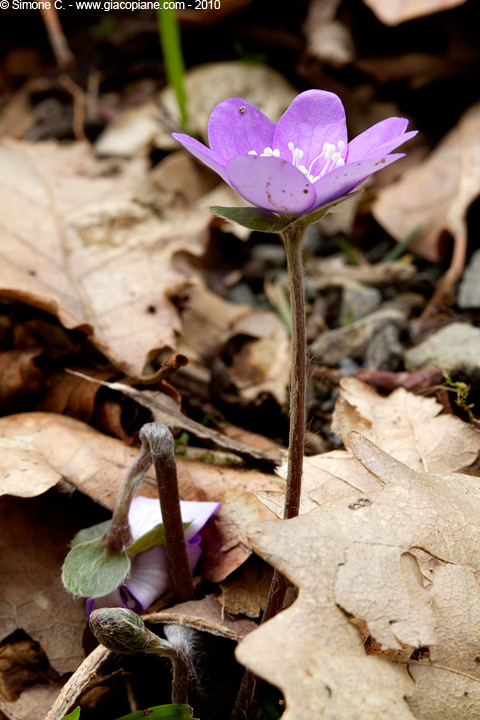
119, 630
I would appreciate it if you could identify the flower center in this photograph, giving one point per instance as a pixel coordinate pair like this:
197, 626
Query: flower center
331, 155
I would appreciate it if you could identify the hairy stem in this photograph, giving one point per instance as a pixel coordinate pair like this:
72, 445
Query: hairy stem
161, 445
292, 238
119, 536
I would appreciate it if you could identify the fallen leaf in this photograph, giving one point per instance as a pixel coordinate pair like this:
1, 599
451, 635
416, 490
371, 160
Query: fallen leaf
91, 251
35, 534
409, 427
394, 12
35, 701
164, 410
436, 194
41, 449
404, 560
246, 591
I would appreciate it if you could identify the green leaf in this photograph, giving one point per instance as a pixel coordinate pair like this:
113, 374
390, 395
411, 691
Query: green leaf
161, 712
253, 218
92, 570
173, 58
74, 715
155, 536
92, 533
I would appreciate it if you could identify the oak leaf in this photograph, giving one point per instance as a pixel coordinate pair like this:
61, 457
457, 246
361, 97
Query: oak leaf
404, 559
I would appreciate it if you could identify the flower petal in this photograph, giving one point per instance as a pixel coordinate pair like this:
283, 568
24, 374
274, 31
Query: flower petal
342, 180
236, 127
150, 576
120, 597
197, 514
145, 514
314, 118
380, 139
271, 183
209, 158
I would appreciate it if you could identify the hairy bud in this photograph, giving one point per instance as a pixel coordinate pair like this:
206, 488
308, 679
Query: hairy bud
119, 630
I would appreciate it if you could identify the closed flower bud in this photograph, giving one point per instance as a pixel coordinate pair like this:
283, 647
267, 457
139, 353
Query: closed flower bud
119, 630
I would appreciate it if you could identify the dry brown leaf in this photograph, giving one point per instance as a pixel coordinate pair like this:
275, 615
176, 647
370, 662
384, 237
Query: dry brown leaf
409, 427
79, 241
41, 449
394, 12
404, 560
436, 194
34, 702
260, 358
245, 593
35, 535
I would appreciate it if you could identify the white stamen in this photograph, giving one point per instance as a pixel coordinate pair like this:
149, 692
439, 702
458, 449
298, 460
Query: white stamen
331, 153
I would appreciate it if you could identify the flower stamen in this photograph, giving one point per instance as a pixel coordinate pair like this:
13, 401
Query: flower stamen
332, 154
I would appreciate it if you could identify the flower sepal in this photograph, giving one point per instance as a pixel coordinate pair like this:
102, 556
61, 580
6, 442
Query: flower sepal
152, 538
308, 218
254, 218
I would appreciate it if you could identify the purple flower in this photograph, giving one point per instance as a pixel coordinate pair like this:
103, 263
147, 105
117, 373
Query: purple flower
303, 162
149, 575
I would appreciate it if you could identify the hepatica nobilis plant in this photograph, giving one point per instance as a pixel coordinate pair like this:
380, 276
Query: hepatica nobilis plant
148, 546
293, 172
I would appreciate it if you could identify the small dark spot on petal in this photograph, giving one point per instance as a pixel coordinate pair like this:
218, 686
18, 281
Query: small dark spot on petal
241, 109
305, 191
151, 309
33, 273
283, 191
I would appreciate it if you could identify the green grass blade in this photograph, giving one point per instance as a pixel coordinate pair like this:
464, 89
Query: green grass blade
173, 58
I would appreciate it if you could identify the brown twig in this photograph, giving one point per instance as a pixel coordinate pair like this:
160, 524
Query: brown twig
79, 101
58, 41
447, 281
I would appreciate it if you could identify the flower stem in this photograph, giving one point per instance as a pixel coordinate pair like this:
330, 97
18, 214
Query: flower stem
119, 536
292, 238
161, 445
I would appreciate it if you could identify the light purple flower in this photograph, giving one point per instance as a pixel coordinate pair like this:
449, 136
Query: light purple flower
303, 162
149, 576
